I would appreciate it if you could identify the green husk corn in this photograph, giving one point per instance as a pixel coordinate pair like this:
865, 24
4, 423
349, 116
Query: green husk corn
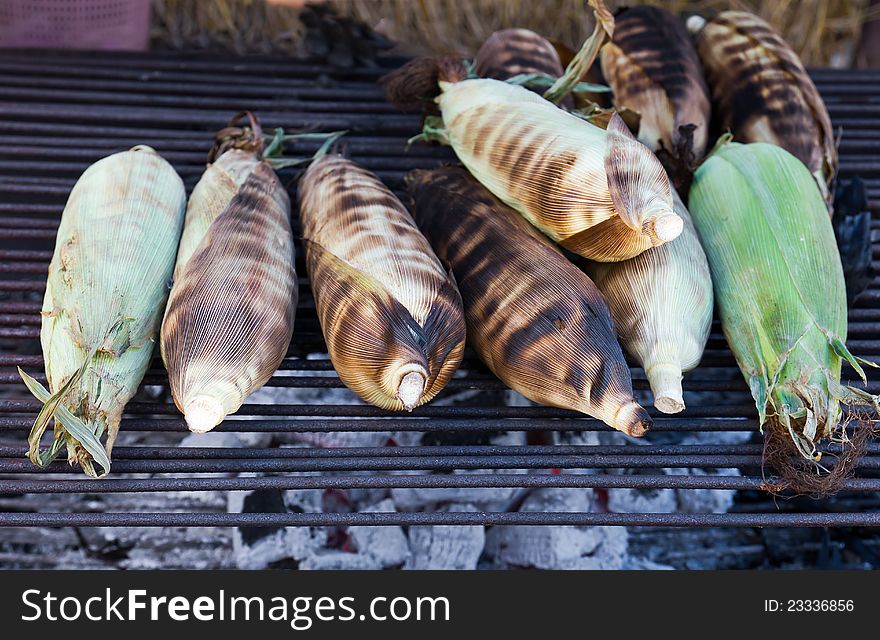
779, 287
108, 281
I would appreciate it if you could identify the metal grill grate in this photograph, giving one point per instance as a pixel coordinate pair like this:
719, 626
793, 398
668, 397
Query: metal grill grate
59, 112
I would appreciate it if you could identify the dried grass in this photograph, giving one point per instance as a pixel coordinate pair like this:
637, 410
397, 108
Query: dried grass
241, 26
823, 32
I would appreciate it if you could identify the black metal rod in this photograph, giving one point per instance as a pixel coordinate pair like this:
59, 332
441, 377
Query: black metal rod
366, 411
410, 481
171, 118
423, 463
479, 518
194, 146
372, 425
456, 384
150, 452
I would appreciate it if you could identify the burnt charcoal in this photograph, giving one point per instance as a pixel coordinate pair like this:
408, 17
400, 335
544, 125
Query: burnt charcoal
111, 551
261, 501
855, 544
342, 42
852, 229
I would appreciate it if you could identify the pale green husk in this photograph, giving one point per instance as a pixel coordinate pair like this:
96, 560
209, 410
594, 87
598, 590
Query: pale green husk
779, 287
108, 281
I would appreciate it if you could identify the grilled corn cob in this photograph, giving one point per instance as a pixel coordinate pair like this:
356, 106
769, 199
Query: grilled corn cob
511, 52
235, 156
653, 69
535, 320
779, 286
390, 313
762, 92
107, 285
597, 192
231, 310
661, 303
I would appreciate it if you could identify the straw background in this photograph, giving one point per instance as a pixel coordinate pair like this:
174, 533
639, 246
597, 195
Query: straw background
823, 32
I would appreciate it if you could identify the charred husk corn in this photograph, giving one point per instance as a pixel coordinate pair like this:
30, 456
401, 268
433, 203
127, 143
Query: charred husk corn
597, 192
390, 313
232, 160
762, 93
510, 52
231, 310
779, 287
653, 69
661, 303
536, 321
513, 52
108, 281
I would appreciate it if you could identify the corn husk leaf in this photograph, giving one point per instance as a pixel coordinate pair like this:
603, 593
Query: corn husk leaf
107, 285
210, 197
564, 175
580, 64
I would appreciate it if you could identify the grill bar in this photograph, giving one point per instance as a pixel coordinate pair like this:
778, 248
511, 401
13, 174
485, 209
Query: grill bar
342, 425
420, 481
436, 518
432, 463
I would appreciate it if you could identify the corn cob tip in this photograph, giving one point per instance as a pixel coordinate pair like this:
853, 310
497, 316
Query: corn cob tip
695, 24
203, 413
632, 419
665, 380
665, 227
410, 389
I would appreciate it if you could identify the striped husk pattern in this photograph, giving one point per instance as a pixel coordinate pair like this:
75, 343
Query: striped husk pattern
653, 69
661, 303
762, 93
390, 313
210, 197
230, 315
535, 320
597, 192
510, 52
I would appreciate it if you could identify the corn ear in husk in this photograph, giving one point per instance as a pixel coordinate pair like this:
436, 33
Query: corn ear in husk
597, 192
661, 303
512, 53
211, 196
653, 69
108, 281
779, 288
231, 311
762, 93
534, 319
390, 313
